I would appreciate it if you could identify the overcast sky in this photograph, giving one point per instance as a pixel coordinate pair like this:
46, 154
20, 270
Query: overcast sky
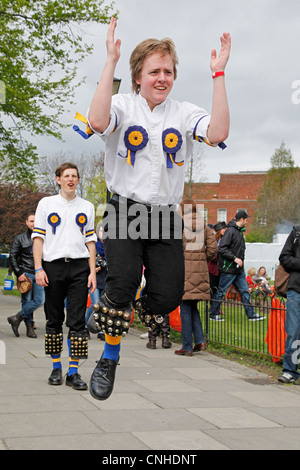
263, 68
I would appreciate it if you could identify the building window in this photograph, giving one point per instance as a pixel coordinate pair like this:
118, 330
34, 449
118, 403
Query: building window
204, 214
241, 210
222, 215
262, 221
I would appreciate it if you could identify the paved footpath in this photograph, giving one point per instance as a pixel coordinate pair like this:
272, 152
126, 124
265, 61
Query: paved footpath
160, 401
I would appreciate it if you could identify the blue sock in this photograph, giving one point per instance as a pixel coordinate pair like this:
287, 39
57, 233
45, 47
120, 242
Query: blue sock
111, 351
73, 363
56, 361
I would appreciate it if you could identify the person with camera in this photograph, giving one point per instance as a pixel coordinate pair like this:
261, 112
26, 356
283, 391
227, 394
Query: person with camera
22, 264
101, 273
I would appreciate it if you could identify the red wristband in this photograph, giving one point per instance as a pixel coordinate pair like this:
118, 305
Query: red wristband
218, 74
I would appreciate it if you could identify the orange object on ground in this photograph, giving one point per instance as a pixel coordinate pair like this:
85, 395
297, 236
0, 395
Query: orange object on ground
175, 320
276, 335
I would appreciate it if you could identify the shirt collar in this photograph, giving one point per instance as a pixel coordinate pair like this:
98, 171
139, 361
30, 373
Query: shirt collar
159, 108
65, 201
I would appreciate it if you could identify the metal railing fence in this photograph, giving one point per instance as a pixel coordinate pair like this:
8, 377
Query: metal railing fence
233, 327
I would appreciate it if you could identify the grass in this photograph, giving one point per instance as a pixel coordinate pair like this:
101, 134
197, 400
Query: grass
3, 273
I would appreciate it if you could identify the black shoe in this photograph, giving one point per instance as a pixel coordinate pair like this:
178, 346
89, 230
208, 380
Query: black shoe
55, 377
76, 382
15, 321
102, 379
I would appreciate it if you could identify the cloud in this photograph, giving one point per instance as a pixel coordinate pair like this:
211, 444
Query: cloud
262, 68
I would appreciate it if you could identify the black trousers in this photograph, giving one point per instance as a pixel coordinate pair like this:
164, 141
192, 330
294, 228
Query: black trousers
138, 236
67, 282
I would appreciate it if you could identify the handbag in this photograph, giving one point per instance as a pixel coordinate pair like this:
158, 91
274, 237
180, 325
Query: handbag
281, 281
24, 286
281, 276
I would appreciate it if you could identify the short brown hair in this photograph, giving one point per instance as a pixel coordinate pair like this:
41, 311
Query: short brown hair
64, 166
146, 48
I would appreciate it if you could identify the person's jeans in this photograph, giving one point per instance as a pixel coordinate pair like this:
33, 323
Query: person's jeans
240, 283
292, 328
191, 325
95, 297
34, 299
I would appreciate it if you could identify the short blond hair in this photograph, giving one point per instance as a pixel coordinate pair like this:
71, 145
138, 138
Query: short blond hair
251, 272
146, 48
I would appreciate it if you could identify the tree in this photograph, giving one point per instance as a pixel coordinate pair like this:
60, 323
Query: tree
193, 170
279, 199
16, 202
40, 49
89, 166
282, 158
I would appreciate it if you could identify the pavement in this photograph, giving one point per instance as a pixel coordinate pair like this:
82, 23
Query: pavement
161, 402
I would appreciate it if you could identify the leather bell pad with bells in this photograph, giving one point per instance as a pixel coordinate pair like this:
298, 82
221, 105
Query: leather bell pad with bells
53, 341
78, 344
149, 319
114, 321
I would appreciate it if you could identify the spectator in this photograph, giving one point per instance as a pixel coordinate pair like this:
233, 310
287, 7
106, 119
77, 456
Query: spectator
262, 280
214, 275
21, 261
249, 278
231, 256
163, 329
290, 260
200, 246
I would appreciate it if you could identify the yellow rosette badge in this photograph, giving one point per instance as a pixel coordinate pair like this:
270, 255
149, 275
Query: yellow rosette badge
135, 138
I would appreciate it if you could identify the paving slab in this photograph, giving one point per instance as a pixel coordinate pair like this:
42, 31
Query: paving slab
161, 402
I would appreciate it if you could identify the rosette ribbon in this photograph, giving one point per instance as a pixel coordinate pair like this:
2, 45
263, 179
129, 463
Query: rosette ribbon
86, 135
172, 142
54, 220
135, 138
81, 220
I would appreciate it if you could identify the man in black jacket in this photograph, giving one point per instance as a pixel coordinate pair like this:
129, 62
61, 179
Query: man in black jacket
21, 261
231, 255
290, 260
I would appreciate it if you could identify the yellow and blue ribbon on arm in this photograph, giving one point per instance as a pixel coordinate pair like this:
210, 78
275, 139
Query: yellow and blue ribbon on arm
89, 132
198, 138
135, 139
172, 142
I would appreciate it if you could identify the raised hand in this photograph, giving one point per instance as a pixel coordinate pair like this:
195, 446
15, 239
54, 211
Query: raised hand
218, 64
112, 46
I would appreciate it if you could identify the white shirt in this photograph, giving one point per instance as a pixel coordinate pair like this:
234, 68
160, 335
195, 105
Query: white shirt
149, 180
65, 226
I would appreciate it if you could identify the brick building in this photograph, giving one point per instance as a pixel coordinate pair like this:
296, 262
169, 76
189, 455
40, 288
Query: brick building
233, 192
